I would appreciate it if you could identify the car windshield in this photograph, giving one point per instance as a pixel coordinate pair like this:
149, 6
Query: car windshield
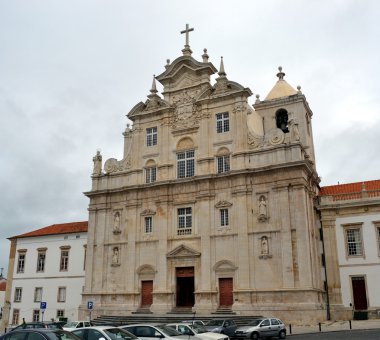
168, 330
255, 322
198, 328
60, 334
71, 324
118, 333
215, 323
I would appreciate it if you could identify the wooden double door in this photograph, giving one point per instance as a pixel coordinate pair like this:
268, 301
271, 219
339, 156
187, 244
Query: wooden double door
226, 296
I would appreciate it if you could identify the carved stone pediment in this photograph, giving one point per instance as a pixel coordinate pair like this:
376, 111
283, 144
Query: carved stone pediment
183, 251
223, 204
148, 212
224, 266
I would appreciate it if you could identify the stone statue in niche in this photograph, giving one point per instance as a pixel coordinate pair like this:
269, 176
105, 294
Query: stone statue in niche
264, 248
263, 214
115, 256
97, 159
116, 223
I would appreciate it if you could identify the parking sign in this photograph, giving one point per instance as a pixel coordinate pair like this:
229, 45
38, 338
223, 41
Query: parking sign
43, 305
90, 305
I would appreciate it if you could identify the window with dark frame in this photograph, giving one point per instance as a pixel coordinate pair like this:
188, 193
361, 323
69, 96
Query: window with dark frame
354, 242
18, 294
184, 221
64, 261
224, 220
185, 164
151, 136
222, 122
223, 163
41, 261
150, 174
36, 315
60, 313
15, 316
21, 263
148, 224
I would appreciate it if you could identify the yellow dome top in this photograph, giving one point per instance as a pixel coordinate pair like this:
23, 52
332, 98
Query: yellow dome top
281, 88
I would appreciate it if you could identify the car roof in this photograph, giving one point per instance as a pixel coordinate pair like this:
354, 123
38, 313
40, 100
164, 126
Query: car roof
99, 327
144, 324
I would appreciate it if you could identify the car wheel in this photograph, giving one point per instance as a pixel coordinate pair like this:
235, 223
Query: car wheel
254, 336
282, 335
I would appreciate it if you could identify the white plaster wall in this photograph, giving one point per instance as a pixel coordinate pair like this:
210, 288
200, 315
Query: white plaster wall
368, 265
51, 278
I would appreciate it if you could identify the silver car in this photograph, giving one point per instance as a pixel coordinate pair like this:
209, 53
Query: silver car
261, 328
154, 331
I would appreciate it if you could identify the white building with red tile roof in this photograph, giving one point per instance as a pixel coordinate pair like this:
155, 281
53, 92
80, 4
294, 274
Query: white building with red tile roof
46, 269
350, 217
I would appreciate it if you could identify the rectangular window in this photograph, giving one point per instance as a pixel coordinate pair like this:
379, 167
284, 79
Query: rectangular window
222, 122
38, 294
60, 313
21, 263
150, 175
354, 242
36, 315
185, 164
184, 221
378, 239
61, 294
18, 294
64, 262
41, 261
224, 221
148, 224
151, 136
15, 316
223, 163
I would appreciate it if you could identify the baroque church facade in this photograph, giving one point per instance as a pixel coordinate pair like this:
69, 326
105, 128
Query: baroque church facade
213, 204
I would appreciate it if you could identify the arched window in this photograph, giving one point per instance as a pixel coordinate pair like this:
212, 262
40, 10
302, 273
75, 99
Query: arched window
150, 171
223, 160
282, 120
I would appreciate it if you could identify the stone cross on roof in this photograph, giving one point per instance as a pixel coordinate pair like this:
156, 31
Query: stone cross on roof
187, 31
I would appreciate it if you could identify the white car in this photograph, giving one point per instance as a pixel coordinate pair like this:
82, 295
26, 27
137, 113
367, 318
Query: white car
103, 333
198, 330
70, 326
154, 331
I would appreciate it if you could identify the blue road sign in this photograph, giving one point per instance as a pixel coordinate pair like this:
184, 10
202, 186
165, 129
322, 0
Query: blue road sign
43, 305
90, 305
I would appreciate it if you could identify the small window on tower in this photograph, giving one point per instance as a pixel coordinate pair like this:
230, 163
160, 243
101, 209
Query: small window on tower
282, 120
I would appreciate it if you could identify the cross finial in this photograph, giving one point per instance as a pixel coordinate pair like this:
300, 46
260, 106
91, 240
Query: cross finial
186, 31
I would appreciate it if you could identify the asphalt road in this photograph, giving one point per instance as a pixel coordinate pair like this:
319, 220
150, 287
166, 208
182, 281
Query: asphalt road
371, 334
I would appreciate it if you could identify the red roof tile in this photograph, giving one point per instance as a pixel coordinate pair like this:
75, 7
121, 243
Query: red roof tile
65, 228
349, 188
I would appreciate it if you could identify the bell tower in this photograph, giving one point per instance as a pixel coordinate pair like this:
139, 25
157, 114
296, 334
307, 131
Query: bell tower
287, 109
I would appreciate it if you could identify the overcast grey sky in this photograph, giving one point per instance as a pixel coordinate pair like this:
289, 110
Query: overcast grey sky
71, 70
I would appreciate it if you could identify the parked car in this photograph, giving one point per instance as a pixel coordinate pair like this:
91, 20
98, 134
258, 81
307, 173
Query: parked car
194, 322
38, 324
262, 328
39, 334
224, 326
70, 326
154, 331
104, 333
198, 330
